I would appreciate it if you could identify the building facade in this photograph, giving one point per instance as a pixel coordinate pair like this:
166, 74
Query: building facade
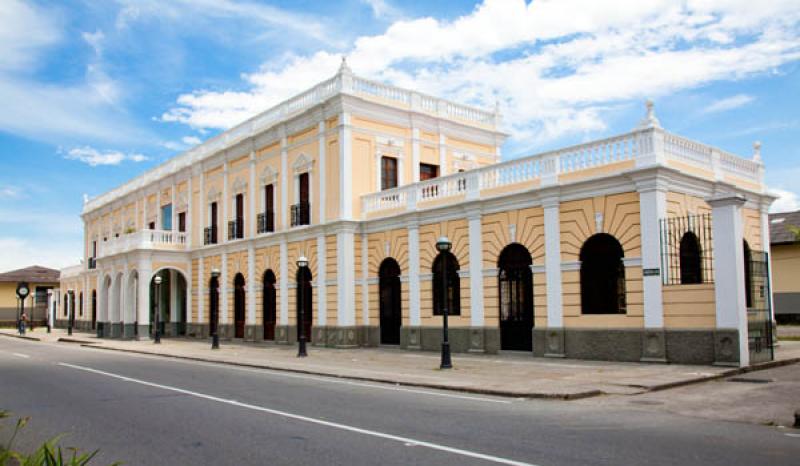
785, 247
627, 248
41, 281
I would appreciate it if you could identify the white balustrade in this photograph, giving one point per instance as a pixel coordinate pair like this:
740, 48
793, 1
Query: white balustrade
145, 239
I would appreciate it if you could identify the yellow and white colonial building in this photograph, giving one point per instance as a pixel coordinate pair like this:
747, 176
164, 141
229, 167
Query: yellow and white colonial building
645, 246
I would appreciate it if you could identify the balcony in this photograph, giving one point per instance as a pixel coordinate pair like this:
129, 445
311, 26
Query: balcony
266, 221
301, 214
92, 263
210, 235
162, 240
236, 229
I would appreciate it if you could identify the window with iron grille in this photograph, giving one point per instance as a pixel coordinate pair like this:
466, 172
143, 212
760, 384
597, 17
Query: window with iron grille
686, 250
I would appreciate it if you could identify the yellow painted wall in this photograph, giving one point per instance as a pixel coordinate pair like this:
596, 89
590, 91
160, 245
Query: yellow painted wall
689, 306
786, 268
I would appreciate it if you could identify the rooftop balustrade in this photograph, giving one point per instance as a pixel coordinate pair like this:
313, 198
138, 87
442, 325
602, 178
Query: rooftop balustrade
163, 240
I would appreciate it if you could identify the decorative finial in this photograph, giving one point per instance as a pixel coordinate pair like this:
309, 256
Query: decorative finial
757, 151
85, 198
344, 68
650, 120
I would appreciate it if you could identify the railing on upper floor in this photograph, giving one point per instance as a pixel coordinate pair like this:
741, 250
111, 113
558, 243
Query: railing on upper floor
266, 221
166, 240
210, 235
644, 147
301, 214
344, 82
236, 229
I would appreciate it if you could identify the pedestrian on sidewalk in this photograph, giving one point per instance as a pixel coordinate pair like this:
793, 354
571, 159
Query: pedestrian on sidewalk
23, 319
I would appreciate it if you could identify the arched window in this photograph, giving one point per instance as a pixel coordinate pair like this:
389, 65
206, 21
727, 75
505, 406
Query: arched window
453, 284
602, 276
516, 298
268, 304
748, 274
691, 262
238, 305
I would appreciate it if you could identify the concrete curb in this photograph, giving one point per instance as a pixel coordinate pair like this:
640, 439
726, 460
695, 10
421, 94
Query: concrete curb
479, 391
74, 340
21, 337
739, 370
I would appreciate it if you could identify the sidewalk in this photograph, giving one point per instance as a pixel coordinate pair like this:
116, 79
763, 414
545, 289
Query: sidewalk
508, 374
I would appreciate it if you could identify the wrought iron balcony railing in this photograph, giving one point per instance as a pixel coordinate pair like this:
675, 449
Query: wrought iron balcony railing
301, 214
266, 221
236, 229
210, 235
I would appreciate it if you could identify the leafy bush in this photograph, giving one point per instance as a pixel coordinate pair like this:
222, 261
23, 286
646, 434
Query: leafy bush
50, 453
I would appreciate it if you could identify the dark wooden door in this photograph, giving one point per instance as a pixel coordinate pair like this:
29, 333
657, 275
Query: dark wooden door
269, 305
516, 299
239, 206
238, 306
390, 309
303, 188
213, 222
182, 222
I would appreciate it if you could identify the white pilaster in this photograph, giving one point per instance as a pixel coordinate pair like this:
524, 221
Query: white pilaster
172, 209
251, 284
203, 208
158, 209
223, 234
345, 167
727, 235
364, 279
145, 270
765, 244
173, 295
223, 290
552, 262
443, 171
413, 275
322, 172
322, 294
414, 154
345, 278
189, 291
252, 200
284, 283
284, 188
201, 289
652, 208
189, 223
475, 269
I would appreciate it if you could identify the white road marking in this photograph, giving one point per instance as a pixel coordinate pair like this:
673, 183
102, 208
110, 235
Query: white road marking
792, 435
328, 379
20, 355
298, 417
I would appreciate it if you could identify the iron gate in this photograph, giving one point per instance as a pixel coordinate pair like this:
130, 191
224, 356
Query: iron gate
759, 312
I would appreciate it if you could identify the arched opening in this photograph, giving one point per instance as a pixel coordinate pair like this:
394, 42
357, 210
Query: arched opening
269, 304
304, 287
171, 300
238, 306
94, 309
391, 317
748, 274
691, 263
516, 298
602, 276
453, 284
213, 305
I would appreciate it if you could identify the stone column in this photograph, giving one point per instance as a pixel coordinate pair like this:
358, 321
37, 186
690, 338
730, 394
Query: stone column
652, 208
145, 270
554, 334
479, 334
345, 167
730, 338
322, 170
346, 293
411, 337
319, 335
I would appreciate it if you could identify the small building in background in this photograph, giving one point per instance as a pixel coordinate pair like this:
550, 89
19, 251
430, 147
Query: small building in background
785, 246
40, 280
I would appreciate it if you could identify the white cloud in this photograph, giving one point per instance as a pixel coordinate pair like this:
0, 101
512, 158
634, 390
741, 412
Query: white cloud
186, 142
787, 201
10, 192
95, 40
381, 8
190, 12
94, 157
53, 252
191, 140
24, 28
729, 103
555, 66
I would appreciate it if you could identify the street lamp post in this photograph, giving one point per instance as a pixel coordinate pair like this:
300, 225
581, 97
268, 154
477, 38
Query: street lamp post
157, 281
214, 304
22, 292
302, 263
443, 245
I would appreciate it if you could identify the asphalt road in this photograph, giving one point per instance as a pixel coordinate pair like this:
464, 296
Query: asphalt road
153, 411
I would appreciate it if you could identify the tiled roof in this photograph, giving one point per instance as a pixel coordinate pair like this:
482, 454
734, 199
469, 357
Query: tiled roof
33, 274
779, 233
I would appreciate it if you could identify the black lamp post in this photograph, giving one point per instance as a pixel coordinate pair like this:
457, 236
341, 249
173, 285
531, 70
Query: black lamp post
302, 263
71, 307
157, 281
22, 292
214, 304
49, 310
443, 245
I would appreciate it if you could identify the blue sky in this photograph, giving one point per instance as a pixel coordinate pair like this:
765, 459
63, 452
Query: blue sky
95, 92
